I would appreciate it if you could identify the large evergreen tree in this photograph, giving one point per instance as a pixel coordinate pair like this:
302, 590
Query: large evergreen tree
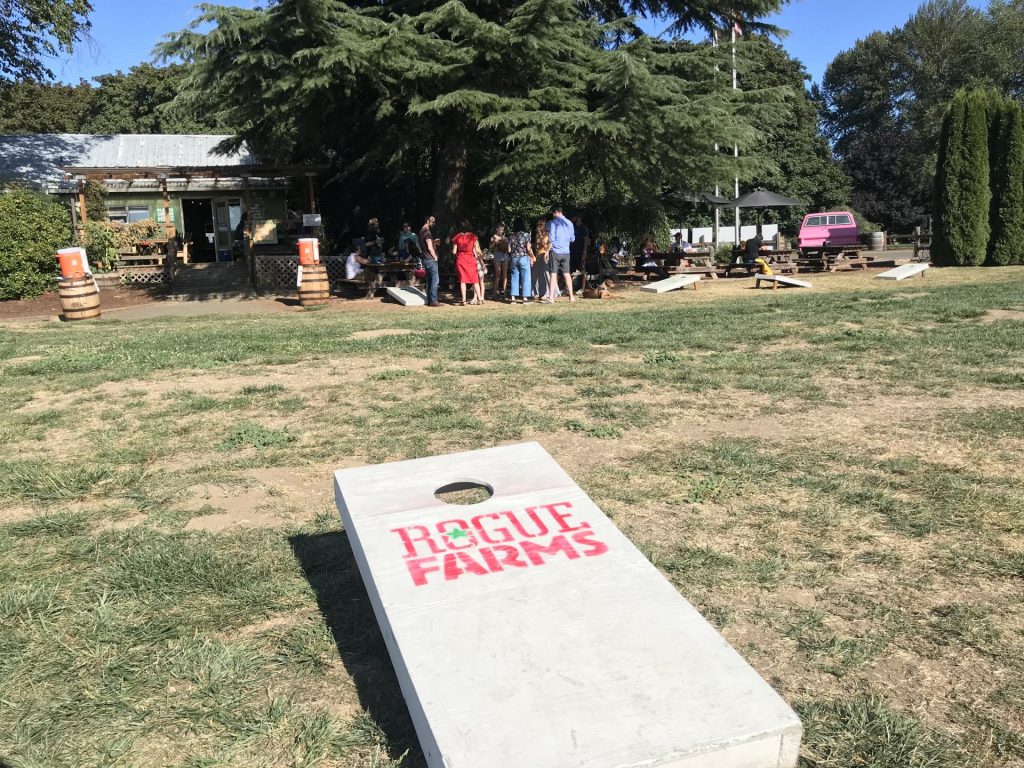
430, 100
962, 193
1007, 213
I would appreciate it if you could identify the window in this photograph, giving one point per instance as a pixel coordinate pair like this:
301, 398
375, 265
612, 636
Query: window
815, 221
117, 214
138, 212
843, 220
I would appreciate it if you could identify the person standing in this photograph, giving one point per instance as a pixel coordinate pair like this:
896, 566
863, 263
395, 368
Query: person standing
500, 258
541, 247
466, 249
521, 262
580, 247
429, 255
561, 234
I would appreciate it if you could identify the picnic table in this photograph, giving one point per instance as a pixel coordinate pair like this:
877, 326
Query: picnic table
700, 263
779, 260
830, 257
375, 277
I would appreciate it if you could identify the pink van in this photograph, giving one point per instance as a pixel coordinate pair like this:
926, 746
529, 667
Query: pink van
832, 228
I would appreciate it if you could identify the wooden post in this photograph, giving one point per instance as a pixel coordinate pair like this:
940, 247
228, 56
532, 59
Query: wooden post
168, 226
312, 193
247, 246
82, 215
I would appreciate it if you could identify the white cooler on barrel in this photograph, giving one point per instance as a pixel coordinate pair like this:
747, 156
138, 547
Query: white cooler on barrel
528, 632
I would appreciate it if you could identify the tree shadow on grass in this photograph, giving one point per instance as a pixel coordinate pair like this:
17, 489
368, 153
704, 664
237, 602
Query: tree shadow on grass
329, 567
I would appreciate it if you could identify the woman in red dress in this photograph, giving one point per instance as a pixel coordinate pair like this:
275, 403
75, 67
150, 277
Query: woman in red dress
468, 257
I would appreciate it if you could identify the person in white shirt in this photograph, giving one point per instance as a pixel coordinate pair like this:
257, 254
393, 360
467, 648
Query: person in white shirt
354, 264
680, 245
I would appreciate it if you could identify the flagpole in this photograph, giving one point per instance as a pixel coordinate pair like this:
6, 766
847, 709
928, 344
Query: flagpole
718, 188
735, 147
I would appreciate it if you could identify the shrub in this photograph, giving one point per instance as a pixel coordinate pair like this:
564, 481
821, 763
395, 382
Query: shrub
33, 227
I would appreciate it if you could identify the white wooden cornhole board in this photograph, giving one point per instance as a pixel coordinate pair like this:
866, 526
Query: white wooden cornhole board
672, 283
780, 280
408, 297
528, 632
905, 271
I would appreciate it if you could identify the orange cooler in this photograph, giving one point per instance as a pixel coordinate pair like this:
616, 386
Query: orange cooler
309, 251
73, 262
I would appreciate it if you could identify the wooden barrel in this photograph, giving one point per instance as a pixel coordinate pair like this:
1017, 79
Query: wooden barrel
315, 288
79, 298
877, 241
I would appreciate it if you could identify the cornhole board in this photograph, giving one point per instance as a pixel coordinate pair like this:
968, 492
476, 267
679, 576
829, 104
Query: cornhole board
902, 273
408, 297
672, 283
777, 280
526, 631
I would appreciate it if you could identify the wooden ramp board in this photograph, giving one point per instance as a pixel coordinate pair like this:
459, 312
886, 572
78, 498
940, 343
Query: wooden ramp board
527, 631
907, 270
672, 283
778, 280
408, 297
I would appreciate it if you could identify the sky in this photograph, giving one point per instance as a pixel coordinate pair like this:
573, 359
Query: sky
124, 32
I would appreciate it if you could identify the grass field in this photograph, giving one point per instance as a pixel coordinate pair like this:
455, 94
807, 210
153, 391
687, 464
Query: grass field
834, 477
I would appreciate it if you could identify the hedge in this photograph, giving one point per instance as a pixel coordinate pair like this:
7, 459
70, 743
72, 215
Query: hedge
32, 227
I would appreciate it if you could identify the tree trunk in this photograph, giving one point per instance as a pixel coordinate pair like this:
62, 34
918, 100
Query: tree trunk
450, 184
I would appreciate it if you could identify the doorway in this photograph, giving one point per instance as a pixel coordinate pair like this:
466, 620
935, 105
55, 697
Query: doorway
197, 216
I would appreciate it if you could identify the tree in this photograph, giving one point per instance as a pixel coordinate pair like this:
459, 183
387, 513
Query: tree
32, 227
806, 169
962, 194
883, 100
31, 30
1007, 169
136, 102
431, 101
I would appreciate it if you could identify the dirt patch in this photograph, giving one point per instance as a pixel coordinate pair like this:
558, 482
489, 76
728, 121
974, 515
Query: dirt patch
232, 520
995, 315
379, 332
26, 359
17, 514
47, 306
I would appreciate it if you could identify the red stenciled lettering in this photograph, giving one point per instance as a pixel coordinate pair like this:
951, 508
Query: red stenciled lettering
456, 534
532, 512
594, 547
490, 560
509, 556
485, 535
535, 552
562, 518
469, 565
419, 569
422, 535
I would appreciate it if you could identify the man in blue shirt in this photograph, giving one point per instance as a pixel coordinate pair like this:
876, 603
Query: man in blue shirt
561, 234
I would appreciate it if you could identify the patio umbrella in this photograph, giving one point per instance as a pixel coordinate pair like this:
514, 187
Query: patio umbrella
762, 198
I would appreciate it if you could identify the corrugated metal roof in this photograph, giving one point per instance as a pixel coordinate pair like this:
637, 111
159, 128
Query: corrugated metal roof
40, 159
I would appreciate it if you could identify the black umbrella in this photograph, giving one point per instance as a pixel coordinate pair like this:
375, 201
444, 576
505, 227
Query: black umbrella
762, 198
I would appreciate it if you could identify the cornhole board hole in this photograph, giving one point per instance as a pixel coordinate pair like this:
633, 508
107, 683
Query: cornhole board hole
777, 280
902, 273
672, 283
526, 631
408, 297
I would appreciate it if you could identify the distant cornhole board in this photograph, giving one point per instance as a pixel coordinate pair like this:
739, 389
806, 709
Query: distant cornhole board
777, 280
408, 297
902, 273
672, 283
527, 631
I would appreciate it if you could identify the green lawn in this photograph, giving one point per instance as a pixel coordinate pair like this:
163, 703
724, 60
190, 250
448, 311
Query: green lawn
834, 477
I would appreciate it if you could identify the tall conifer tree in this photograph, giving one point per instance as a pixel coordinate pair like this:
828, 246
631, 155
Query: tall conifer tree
475, 93
962, 194
1007, 213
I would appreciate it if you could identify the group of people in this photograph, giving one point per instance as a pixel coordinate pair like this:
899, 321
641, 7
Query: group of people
526, 264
